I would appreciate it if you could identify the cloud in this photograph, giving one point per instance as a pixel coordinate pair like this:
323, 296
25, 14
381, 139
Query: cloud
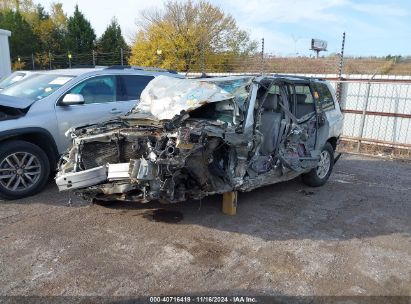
379, 9
284, 11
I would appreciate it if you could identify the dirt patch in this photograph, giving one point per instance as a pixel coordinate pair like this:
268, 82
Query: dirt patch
164, 215
350, 237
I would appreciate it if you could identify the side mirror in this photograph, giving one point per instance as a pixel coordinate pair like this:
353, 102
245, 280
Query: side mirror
72, 99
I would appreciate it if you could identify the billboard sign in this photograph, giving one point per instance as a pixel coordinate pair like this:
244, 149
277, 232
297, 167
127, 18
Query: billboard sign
318, 45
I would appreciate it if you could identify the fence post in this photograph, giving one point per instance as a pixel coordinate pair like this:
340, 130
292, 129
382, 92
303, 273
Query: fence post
364, 112
49, 60
202, 59
69, 58
94, 58
340, 69
32, 61
122, 56
262, 56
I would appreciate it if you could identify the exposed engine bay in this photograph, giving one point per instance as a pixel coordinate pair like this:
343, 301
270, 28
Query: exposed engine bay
187, 139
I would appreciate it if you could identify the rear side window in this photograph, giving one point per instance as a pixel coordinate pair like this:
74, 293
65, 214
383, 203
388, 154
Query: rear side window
275, 89
304, 100
304, 94
325, 98
129, 87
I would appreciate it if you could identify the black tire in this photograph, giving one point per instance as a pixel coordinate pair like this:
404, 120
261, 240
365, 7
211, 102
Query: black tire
31, 169
314, 178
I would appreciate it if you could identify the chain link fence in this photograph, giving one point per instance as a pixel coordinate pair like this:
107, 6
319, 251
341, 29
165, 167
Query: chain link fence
377, 114
49, 61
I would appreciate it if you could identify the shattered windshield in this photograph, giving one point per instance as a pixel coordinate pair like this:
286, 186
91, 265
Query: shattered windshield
239, 87
164, 97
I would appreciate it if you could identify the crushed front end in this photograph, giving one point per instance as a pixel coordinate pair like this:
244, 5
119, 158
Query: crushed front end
147, 163
142, 158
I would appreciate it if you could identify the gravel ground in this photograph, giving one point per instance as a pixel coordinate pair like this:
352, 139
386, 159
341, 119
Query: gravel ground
349, 237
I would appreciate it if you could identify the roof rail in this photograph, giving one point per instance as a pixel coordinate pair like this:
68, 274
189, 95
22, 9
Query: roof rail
297, 76
140, 68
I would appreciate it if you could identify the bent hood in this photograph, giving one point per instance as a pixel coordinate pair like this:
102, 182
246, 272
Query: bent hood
165, 97
15, 102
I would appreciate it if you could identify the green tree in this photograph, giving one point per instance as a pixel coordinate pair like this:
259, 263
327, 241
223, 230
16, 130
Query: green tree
112, 40
23, 41
185, 31
80, 34
111, 43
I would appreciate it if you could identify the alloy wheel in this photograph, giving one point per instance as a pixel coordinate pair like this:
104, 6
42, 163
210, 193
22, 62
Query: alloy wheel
19, 171
324, 164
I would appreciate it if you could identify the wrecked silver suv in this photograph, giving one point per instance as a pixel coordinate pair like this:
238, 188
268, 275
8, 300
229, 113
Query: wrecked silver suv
193, 138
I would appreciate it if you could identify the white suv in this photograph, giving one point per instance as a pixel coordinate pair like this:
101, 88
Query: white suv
36, 113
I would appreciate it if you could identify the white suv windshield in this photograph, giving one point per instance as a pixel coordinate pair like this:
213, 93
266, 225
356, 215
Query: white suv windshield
37, 86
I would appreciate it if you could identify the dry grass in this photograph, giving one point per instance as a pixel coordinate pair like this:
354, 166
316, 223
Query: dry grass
375, 149
305, 65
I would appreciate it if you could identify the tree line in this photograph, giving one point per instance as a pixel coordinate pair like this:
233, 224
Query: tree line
182, 35
39, 32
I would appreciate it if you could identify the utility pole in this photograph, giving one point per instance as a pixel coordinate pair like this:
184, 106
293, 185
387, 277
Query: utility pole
94, 58
295, 39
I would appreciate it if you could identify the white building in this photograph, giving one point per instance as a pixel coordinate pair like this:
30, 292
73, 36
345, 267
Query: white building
5, 65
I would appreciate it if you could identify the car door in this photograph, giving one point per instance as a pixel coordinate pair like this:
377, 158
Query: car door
303, 107
100, 96
105, 97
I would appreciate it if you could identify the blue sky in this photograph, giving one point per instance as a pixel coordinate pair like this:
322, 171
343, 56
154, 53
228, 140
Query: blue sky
376, 28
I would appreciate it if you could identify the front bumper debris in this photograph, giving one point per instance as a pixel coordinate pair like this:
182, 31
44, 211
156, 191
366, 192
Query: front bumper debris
82, 179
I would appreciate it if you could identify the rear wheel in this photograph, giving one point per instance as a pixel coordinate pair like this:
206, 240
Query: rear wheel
24, 169
318, 176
